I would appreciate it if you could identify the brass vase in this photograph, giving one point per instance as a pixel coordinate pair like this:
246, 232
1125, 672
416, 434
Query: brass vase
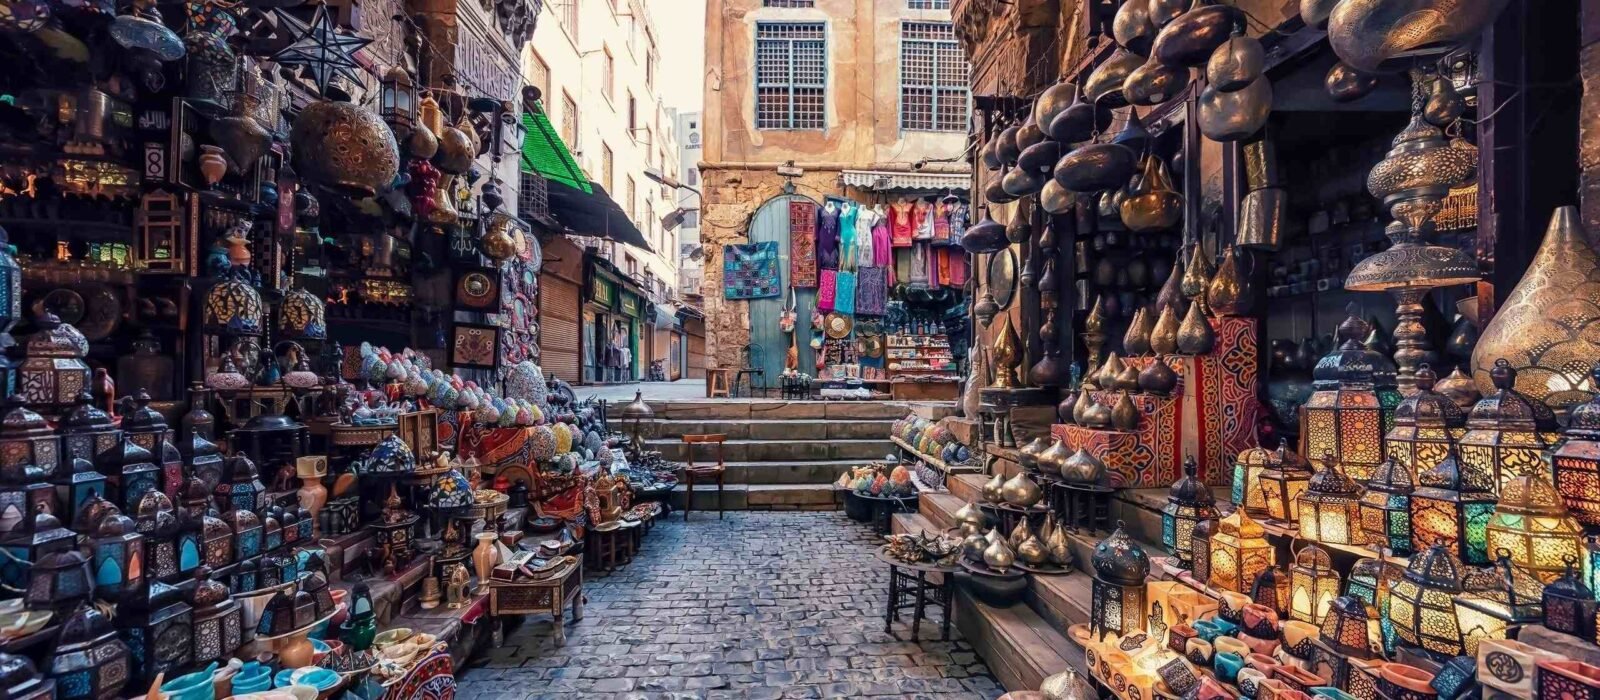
1549, 327
1058, 547
1137, 340
1171, 294
1110, 371
998, 554
1006, 354
1197, 276
1153, 205
991, 489
1158, 378
1080, 411
1021, 491
1032, 551
1054, 457
1019, 534
1125, 416
1128, 378
1164, 336
1097, 416
1230, 292
1195, 336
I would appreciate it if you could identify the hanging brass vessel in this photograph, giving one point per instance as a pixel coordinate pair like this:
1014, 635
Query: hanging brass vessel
1379, 35
1346, 84
998, 555
989, 155
1162, 12
1052, 102
1028, 135
1032, 551
443, 212
1197, 276
499, 240
1038, 159
456, 152
1549, 327
241, 137
421, 143
1153, 205
1154, 83
1080, 121
1006, 145
1195, 336
1418, 172
1236, 64
991, 489
1158, 378
1019, 182
1021, 491
1131, 27
1006, 355
1234, 116
1125, 416
1095, 167
1262, 217
1128, 379
1444, 105
1104, 85
344, 147
1164, 336
1230, 292
1190, 39
1137, 340
1054, 198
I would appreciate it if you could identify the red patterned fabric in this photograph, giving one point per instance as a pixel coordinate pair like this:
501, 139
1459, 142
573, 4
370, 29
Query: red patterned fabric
802, 244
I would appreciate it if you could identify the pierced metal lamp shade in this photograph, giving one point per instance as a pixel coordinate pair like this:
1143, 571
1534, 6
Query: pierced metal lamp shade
1577, 460
1495, 598
1330, 507
1424, 424
1447, 512
1569, 604
1344, 414
1313, 584
1282, 482
1506, 434
1421, 605
1534, 529
1386, 508
1117, 594
233, 306
1247, 469
1349, 627
1239, 551
1189, 502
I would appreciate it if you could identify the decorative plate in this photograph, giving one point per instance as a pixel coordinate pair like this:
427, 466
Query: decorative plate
103, 316
837, 325
478, 289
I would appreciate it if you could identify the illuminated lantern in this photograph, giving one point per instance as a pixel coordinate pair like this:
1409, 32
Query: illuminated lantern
1386, 508
232, 305
1282, 483
1532, 526
1200, 548
1348, 627
397, 99
1569, 604
1371, 580
1117, 595
25, 437
1239, 551
1505, 434
1313, 584
1189, 502
1330, 509
1424, 424
86, 431
53, 372
1445, 511
115, 543
1421, 606
1577, 459
1271, 588
1247, 469
1494, 599
1343, 415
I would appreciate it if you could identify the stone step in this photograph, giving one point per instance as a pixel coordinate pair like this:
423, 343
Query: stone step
789, 472
967, 487
1020, 647
939, 509
758, 497
776, 450
735, 410
773, 429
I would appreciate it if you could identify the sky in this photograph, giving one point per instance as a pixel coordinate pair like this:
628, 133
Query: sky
681, 30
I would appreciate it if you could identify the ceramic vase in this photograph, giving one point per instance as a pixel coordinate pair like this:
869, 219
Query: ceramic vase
213, 164
484, 557
312, 494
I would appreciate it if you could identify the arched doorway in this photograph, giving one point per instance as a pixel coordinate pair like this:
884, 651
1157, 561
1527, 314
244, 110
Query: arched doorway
771, 223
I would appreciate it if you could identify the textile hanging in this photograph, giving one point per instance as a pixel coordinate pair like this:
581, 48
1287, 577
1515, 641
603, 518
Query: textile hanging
844, 295
803, 244
902, 266
958, 268
919, 266
872, 291
826, 289
943, 254
750, 270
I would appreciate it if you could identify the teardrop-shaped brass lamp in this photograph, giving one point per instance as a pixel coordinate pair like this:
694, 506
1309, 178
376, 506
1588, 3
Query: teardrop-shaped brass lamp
1164, 337
1095, 167
1080, 121
1055, 198
1198, 274
1098, 416
1235, 116
1158, 378
1039, 158
1346, 84
1104, 85
1080, 410
1195, 336
1128, 378
1125, 416
1236, 64
1154, 83
1052, 102
1230, 292
1162, 12
991, 489
1019, 182
1032, 552
1109, 370
998, 555
1021, 491
1006, 146
1137, 340
1153, 205
1380, 35
1131, 27
1190, 39
1171, 294
986, 236
1315, 12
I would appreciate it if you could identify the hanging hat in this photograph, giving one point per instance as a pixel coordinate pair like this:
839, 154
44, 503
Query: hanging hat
837, 325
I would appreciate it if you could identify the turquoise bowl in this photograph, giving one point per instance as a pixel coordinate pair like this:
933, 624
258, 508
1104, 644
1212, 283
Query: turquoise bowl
320, 678
1227, 665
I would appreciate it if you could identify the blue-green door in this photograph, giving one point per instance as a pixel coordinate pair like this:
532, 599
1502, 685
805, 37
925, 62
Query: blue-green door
771, 223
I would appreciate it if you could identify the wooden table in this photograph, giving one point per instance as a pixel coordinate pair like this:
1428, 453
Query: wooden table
549, 595
916, 592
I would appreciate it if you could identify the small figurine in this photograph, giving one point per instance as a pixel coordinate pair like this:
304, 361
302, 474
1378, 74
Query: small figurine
456, 592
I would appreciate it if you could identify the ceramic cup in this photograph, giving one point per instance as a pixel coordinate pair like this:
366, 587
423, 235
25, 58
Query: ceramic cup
1297, 638
1249, 681
1198, 652
1233, 605
1227, 665
1230, 645
1260, 621
1259, 645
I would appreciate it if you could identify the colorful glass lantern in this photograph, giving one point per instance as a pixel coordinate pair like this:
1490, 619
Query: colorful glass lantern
271, 529
86, 431
1239, 551
1421, 606
1330, 509
218, 619
90, 662
25, 436
39, 535
53, 372
1343, 416
302, 315
1365, 579
74, 487
158, 625
1117, 594
1495, 598
1200, 548
247, 534
1445, 511
117, 547
191, 542
1271, 588
1247, 469
1282, 483
59, 581
216, 541
397, 99
1189, 502
1569, 604
1505, 434
245, 577
1313, 584
23, 491
1424, 424
147, 428
1386, 508
243, 489
1531, 524
1349, 627
1577, 459
232, 306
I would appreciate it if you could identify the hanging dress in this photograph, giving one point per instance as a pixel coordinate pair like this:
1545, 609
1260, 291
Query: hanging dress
828, 236
847, 235
900, 225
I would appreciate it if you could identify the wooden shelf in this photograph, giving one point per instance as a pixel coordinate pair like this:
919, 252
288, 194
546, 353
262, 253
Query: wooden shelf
932, 461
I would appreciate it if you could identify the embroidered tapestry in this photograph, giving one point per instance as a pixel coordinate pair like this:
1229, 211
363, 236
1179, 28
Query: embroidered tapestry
803, 244
750, 270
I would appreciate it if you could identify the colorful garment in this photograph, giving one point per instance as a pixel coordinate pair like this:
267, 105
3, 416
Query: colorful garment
872, 291
941, 224
828, 236
882, 253
958, 222
922, 222
942, 257
866, 219
844, 295
847, 235
826, 285
802, 244
902, 265
919, 265
958, 268
900, 225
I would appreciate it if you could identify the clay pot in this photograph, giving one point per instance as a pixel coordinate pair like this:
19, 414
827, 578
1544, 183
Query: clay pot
212, 164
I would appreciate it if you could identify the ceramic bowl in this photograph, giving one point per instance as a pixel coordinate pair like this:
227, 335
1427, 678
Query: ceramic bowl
315, 677
392, 637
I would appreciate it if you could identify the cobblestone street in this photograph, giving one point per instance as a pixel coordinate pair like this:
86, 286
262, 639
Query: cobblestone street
759, 605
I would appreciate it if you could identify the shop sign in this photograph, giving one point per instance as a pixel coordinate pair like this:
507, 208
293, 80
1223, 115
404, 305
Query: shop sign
601, 291
630, 304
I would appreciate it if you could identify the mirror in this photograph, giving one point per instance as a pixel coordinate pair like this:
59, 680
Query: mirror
1003, 277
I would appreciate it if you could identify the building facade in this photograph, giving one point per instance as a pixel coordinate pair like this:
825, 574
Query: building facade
801, 93
691, 260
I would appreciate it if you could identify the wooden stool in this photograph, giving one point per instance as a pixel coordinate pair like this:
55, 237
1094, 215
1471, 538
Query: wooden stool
716, 383
692, 472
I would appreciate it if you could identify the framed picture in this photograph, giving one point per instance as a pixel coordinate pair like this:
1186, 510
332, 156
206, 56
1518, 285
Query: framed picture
478, 289
474, 345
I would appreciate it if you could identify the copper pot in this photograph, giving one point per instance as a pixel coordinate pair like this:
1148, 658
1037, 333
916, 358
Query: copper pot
1080, 121
1104, 85
1236, 63
1190, 39
344, 147
1095, 167
1346, 84
1131, 27
1378, 35
1233, 116
1052, 102
1153, 205
1154, 83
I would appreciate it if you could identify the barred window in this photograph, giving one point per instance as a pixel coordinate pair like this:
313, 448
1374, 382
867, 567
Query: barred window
569, 120
791, 75
933, 78
605, 168
788, 3
539, 77
928, 4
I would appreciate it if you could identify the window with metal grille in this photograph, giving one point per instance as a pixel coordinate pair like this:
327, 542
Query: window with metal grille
605, 168
567, 12
933, 78
791, 75
540, 77
633, 210
610, 75
569, 121
928, 4
788, 3
533, 196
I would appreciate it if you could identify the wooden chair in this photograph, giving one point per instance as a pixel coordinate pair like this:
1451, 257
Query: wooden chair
716, 383
751, 374
692, 472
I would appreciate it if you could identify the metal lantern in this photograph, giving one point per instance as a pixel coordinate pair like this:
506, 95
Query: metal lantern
1349, 627
1117, 595
1239, 551
271, 529
130, 473
1532, 525
158, 625
1282, 483
1330, 507
23, 491
302, 315
1446, 511
1313, 584
1247, 469
116, 546
233, 306
1505, 434
53, 372
1200, 549
1189, 502
634, 415
1386, 508
218, 619
1365, 579
397, 99
89, 661
86, 431
1271, 588
147, 428
243, 489
205, 461
1577, 459
25, 437
38, 536
216, 540
1343, 416
59, 582
247, 533
1424, 424
10, 305
1569, 604
1421, 606
1495, 599
156, 520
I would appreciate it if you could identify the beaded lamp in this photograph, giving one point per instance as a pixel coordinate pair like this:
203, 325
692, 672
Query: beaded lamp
1189, 502
1424, 424
1386, 508
1239, 551
1446, 511
1313, 584
1421, 606
53, 372
1577, 459
1494, 599
1505, 434
1282, 482
1533, 527
1117, 594
86, 431
1569, 604
1330, 507
1247, 469
1343, 416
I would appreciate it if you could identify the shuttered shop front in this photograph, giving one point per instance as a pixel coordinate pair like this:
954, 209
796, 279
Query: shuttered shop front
558, 337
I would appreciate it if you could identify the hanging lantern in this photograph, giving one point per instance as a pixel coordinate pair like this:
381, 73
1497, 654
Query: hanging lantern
1577, 459
218, 619
1505, 434
26, 438
1424, 424
232, 306
1282, 483
1313, 584
302, 315
1445, 511
89, 661
1117, 595
1239, 551
397, 99
1386, 508
1342, 416
86, 431
1189, 502
1534, 528
53, 371
1349, 627
1569, 604
38, 536
1271, 588
1420, 605
1330, 507
1200, 549
116, 546
1247, 469
1494, 599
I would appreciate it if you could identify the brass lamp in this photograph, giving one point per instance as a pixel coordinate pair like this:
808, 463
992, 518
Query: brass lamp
1239, 551
1386, 508
1117, 595
1446, 511
1569, 604
1505, 433
1494, 599
1349, 627
1421, 606
1330, 507
1271, 588
1344, 415
634, 415
1282, 482
1577, 459
1247, 469
53, 372
1534, 528
1424, 424
1200, 549
1313, 584
1189, 502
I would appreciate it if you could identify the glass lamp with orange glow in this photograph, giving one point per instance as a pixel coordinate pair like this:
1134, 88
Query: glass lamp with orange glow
1344, 414
1506, 434
1421, 604
1534, 528
1239, 551
1330, 509
1577, 459
1282, 482
1313, 584
1424, 424
1494, 599
1117, 594
1349, 627
1386, 508
1446, 511
1271, 588
1247, 469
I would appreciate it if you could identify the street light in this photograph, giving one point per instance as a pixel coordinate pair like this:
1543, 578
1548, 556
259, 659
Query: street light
655, 175
674, 218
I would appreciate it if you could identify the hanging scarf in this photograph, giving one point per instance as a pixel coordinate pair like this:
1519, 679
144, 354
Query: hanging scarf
872, 291
802, 244
844, 295
826, 290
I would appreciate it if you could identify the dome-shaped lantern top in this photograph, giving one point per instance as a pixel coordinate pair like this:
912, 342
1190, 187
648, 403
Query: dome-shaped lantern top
1118, 560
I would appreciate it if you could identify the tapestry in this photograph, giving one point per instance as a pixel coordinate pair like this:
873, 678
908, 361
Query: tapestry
872, 291
844, 294
750, 270
803, 244
825, 290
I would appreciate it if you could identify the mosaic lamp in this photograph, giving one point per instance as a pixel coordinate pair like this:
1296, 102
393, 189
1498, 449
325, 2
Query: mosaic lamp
59, 581
1577, 459
232, 305
1189, 502
1424, 424
218, 619
1421, 604
1330, 509
86, 430
1282, 482
156, 519
1495, 598
53, 371
1386, 508
1239, 551
1569, 604
1200, 549
117, 548
1506, 434
1313, 584
1349, 627
1117, 594
1344, 416
1533, 527
1247, 469
1271, 588
1446, 511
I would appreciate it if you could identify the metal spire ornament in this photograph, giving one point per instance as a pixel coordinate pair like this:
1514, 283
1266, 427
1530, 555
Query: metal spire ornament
320, 48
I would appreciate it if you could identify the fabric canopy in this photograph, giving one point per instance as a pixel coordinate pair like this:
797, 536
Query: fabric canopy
544, 152
887, 181
593, 213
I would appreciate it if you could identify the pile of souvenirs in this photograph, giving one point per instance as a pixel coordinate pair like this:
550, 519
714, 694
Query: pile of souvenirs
942, 549
878, 480
931, 438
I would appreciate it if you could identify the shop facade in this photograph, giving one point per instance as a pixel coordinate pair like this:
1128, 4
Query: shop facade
613, 323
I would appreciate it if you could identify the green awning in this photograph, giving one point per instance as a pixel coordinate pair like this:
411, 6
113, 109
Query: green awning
543, 152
